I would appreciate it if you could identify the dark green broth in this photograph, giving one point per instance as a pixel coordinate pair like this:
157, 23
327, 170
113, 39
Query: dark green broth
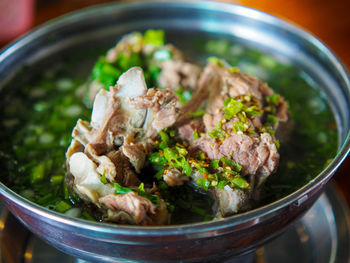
37, 117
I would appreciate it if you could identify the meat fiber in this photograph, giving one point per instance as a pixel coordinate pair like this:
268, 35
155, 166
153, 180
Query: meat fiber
255, 151
112, 149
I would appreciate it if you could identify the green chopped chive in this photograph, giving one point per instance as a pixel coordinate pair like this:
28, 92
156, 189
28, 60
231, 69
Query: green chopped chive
65, 192
141, 187
272, 120
186, 167
201, 156
103, 178
197, 114
184, 95
277, 143
241, 183
231, 163
215, 164
198, 210
159, 174
120, 189
205, 184
46, 199
195, 134
63, 206
165, 137
217, 132
171, 208
157, 159
274, 99
38, 173
215, 60
87, 216
221, 184
140, 191
238, 126
232, 107
56, 179
154, 37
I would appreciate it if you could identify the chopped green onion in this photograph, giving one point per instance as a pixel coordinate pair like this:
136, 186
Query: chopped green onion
142, 187
274, 99
154, 37
215, 60
198, 113
241, 183
232, 107
120, 189
215, 164
195, 134
38, 173
87, 216
159, 174
63, 206
103, 178
56, 179
221, 184
198, 210
156, 159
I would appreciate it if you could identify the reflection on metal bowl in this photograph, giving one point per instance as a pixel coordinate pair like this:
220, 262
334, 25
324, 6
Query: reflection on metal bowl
238, 234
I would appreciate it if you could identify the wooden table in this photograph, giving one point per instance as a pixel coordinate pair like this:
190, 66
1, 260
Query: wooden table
328, 20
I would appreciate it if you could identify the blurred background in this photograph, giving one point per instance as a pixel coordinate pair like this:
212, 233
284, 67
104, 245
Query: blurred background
328, 20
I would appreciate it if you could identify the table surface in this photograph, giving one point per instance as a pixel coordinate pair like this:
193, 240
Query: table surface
328, 20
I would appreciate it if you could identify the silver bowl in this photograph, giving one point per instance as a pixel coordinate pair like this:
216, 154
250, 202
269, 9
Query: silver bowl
101, 26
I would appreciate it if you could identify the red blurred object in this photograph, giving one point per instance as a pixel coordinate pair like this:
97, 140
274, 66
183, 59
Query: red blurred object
16, 17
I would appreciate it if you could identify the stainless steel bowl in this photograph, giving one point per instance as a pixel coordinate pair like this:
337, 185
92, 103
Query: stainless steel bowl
101, 26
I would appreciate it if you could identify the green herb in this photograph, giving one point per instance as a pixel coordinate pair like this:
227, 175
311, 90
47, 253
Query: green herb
217, 132
215, 164
215, 60
184, 95
56, 179
38, 173
241, 183
157, 159
103, 178
105, 73
198, 210
63, 206
195, 134
159, 174
232, 107
222, 184
140, 191
186, 167
87, 216
197, 114
231, 163
165, 137
274, 99
154, 37
120, 189
271, 120
141, 187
